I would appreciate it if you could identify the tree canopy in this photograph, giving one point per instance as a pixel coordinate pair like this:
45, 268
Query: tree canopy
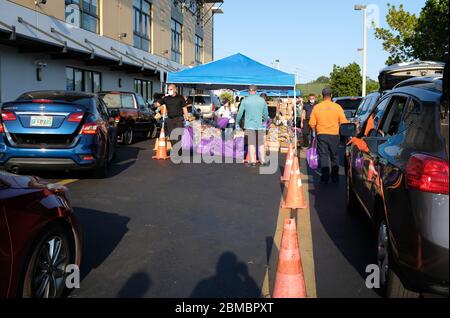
346, 81
410, 37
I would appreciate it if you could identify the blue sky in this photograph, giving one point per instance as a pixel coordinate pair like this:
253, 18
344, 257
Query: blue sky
308, 35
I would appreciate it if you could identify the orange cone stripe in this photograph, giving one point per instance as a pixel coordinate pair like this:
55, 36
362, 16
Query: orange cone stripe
289, 280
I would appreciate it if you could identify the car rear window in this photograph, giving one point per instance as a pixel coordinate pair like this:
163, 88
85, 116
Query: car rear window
201, 100
83, 100
122, 100
349, 103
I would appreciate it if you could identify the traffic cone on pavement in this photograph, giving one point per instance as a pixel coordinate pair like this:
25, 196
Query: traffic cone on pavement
294, 195
289, 279
288, 165
161, 151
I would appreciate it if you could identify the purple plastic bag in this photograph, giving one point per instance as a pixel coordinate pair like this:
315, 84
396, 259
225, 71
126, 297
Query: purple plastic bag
223, 123
228, 148
216, 147
359, 163
312, 157
204, 147
186, 139
239, 148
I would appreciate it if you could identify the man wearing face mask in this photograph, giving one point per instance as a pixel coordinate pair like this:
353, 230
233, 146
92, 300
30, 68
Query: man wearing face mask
306, 115
176, 109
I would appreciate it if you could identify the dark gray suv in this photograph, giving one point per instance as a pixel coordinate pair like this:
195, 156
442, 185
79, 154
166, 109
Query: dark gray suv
397, 172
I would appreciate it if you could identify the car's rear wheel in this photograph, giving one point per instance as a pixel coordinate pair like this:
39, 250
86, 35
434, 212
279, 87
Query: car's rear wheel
45, 275
127, 136
101, 171
152, 132
390, 283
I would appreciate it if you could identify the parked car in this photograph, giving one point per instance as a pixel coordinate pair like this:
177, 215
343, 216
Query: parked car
365, 108
394, 74
133, 115
39, 237
349, 104
57, 130
400, 179
206, 105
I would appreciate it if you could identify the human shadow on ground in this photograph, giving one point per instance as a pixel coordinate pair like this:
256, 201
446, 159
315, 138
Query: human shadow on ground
231, 280
136, 286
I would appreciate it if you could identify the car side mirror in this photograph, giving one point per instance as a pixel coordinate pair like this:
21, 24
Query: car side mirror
114, 112
348, 130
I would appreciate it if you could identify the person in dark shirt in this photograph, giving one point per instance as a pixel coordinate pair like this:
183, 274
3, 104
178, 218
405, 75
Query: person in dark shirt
176, 109
306, 115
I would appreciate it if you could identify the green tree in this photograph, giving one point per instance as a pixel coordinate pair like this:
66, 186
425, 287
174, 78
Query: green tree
410, 37
397, 39
322, 80
346, 81
227, 95
372, 85
431, 39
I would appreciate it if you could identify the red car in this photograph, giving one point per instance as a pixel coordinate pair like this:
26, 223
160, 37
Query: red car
39, 237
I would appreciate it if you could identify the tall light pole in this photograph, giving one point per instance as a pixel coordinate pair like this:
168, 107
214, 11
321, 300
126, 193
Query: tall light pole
360, 7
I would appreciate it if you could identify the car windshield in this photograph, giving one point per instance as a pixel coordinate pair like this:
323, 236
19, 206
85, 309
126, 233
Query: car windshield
79, 99
122, 100
201, 100
350, 103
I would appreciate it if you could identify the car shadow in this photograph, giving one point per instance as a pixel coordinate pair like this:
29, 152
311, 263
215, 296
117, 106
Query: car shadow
136, 286
352, 234
101, 233
126, 157
231, 280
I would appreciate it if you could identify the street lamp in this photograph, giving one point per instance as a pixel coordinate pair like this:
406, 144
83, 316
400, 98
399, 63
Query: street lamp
363, 8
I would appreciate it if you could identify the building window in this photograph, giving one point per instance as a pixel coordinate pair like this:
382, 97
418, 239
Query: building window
141, 24
143, 87
83, 80
88, 13
198, 50
176, 41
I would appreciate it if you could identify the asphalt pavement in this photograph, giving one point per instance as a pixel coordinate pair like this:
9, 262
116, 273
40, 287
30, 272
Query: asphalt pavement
155, 229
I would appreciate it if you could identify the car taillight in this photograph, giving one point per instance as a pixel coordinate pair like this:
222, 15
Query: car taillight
213, 108
8, 116
117, 119
42, 101
89, 129
427, 174
2, 130
75, 117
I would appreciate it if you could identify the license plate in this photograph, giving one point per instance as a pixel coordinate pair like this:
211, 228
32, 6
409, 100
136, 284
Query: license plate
41, 121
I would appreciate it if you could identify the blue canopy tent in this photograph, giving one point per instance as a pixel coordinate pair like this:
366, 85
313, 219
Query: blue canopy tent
272, 93
236, 72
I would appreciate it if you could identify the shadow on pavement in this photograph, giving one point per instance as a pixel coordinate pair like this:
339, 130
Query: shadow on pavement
231, 280
101, 233
136, 287
126, 156
351, 234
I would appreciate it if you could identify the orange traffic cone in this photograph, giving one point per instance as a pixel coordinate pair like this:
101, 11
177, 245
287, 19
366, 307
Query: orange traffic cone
294, 196
288, 165
289, 280
161, 152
